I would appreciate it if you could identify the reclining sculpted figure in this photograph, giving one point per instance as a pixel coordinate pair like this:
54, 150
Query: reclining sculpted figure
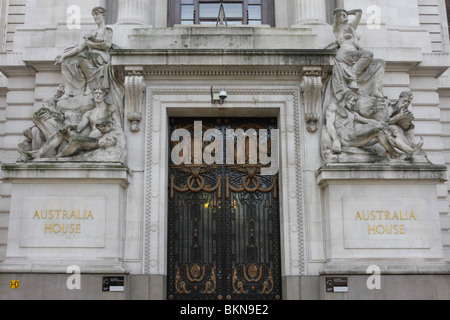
345, 129
72, 134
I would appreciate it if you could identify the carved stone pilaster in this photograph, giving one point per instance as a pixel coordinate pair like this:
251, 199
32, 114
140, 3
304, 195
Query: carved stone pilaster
134, 95
311, 87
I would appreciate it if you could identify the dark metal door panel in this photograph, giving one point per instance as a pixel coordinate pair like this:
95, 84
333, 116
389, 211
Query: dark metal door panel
224, 225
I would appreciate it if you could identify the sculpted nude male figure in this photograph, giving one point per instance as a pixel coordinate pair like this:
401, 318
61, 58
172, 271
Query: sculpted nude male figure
341, 119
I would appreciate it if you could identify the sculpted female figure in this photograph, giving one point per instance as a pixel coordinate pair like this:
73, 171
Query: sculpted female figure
83, 66
355, 67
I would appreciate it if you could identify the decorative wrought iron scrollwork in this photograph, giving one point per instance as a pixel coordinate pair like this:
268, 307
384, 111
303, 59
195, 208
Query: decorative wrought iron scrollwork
195, 275
195, 183
250, 281
251, 184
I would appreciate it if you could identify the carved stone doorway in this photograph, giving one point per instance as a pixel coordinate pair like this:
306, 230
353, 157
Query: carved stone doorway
224, 222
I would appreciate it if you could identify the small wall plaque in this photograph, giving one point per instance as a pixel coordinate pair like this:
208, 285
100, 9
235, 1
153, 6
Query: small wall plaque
337, 284
14, 284
113, 284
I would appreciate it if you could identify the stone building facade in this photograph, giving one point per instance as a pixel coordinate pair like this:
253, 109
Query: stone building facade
112, 202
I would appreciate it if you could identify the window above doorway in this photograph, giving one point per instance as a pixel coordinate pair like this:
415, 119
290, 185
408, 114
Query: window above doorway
206, 12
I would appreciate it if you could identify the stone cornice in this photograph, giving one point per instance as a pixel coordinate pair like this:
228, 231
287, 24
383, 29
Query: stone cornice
222, 63
65, 171
222, 57
386, 172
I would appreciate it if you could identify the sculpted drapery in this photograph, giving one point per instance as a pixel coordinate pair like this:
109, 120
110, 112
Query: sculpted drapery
355, 67
88, 65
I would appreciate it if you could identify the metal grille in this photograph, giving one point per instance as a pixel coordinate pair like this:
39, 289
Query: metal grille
224, 225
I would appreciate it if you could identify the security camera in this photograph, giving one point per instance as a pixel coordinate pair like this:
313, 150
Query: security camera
218, 97
223, 95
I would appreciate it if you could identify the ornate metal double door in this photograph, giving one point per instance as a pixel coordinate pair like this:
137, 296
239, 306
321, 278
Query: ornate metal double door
224, 223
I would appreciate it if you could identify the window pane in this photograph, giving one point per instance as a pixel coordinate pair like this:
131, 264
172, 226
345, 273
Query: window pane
213, 23
254, 1
232, 10
209, 10
254, 12
234, 23
187, 12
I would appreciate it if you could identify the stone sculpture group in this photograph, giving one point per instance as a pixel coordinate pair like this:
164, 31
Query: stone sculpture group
84, 120
360, 123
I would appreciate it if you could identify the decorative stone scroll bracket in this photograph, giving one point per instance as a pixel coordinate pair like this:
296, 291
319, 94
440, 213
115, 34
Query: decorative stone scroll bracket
311, 87
134, 95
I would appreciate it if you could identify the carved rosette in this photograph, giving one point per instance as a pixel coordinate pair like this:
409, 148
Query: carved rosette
134, 95
311, 87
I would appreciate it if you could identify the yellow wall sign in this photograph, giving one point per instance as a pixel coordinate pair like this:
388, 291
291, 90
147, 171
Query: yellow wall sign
14, 284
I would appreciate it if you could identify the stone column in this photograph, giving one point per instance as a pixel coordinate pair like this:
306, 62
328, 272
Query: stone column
133, 12
310, 11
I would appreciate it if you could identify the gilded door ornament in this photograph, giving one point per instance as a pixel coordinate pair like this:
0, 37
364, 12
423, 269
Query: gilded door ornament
250, 280
195, 183
251, 183
193, 278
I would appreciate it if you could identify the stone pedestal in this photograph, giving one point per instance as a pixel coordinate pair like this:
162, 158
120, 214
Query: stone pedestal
385, 216
66, 214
